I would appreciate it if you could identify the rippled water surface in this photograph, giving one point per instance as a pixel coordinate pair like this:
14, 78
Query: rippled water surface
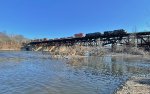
35, 73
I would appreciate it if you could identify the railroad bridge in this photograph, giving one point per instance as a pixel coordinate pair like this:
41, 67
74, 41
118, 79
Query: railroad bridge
113, 38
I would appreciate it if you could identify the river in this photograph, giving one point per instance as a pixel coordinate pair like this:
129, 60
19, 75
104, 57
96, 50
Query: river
38, 73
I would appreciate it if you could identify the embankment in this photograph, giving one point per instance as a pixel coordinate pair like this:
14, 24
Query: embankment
76, 50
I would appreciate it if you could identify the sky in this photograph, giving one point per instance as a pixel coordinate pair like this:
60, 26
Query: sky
64, 18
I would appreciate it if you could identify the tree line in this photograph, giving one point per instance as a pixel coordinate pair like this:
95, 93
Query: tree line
4, 37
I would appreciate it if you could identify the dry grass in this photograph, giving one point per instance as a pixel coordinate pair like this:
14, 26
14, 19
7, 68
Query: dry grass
94, 51
131, 50
78, 50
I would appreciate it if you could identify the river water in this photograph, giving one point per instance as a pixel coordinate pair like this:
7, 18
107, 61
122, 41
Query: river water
37, 73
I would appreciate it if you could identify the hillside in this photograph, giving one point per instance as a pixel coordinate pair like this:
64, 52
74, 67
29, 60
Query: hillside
11, 42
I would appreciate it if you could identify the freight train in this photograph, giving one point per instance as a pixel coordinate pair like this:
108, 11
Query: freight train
114, 33
119, 32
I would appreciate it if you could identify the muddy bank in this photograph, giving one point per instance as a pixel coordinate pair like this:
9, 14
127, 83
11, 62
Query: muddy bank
136, 85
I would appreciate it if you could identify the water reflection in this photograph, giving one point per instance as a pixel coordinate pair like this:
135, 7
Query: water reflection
117, 66
35, 73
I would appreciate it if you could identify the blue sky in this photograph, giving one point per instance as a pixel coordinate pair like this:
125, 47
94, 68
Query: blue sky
61, 18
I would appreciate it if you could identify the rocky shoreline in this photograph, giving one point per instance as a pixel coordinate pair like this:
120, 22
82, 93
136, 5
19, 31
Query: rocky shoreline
136, 85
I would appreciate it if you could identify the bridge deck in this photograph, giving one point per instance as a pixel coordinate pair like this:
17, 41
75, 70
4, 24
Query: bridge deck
93, 38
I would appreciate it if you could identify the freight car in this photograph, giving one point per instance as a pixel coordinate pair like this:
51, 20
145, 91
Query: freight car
70, 37
108, 33
119, 32
36, 40
91, 35
79, 35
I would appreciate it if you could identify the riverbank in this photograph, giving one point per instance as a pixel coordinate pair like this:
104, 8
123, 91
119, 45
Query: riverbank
9, 49
136, 85
10, 46
81, 52
76, 50
93, 51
